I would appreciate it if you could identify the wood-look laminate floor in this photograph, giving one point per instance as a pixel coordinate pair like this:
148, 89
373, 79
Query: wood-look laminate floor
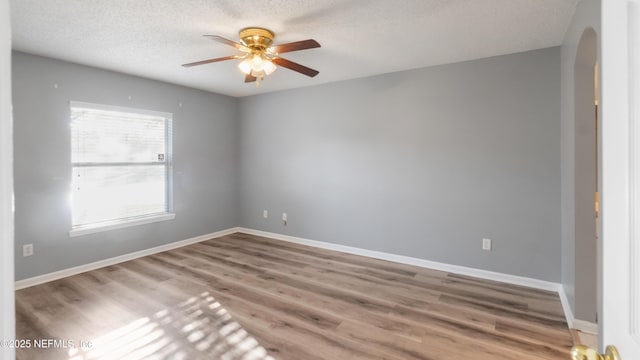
248, 297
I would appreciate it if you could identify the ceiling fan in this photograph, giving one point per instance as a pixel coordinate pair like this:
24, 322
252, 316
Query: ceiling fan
260, 56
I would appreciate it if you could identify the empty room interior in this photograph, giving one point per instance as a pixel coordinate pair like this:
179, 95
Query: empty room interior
305, 179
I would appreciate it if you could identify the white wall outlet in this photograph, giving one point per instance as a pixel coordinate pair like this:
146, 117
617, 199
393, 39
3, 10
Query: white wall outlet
284, 219
486, 244
27, 250
265, 214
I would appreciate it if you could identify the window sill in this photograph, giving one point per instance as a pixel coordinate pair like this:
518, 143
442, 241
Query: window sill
92, 229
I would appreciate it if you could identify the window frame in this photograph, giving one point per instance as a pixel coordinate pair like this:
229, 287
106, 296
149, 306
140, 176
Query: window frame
169, 214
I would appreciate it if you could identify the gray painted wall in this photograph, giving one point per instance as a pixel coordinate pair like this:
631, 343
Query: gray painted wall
587, 15
205, 161
423, 163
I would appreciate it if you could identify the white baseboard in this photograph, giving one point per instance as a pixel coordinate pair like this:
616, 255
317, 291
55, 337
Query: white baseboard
585, 326
456, 269
568, 313
582, 325
36, 280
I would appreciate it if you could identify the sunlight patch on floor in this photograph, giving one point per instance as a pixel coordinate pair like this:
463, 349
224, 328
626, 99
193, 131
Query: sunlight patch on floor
208, 327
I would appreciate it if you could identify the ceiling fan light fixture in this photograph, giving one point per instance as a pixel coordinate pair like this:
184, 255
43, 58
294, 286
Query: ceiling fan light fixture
259, 74
245, 66
257, 65
269, 67
257, 61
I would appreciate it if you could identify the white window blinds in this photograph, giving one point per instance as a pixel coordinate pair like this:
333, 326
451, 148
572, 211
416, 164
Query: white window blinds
121, 164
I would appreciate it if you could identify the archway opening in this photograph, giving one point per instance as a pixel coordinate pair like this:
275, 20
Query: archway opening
586, 184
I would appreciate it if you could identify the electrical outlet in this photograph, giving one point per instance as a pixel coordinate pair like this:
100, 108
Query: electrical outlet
284, 219
27, 250
265, 214
486, 244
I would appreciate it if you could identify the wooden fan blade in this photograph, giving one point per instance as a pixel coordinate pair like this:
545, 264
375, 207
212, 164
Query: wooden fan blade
210, 61
295, 66
229, 42
295, 46
249, 78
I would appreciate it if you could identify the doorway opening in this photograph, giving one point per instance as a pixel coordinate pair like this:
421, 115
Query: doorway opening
587, 165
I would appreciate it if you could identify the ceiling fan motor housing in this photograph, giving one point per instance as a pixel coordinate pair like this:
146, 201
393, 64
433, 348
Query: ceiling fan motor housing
257, 39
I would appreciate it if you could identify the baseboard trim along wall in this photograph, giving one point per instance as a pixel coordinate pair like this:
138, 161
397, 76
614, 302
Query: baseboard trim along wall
582, 325
568, 313
585, 326
456, 269
41, 279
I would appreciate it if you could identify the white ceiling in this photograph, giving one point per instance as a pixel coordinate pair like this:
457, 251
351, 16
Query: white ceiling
152, 38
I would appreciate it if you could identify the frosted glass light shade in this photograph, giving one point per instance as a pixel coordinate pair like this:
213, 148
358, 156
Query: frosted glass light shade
245, 66
257, 65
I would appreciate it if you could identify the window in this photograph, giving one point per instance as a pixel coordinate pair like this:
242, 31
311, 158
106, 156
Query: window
121, 161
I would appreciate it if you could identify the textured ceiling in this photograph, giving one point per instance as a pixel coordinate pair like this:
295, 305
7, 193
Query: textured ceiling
151, 38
